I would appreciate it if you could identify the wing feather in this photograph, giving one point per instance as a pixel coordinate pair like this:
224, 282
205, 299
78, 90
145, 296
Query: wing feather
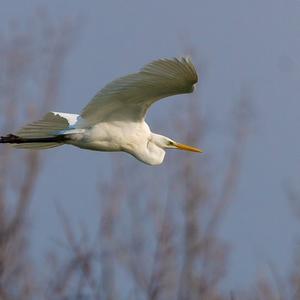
129, 97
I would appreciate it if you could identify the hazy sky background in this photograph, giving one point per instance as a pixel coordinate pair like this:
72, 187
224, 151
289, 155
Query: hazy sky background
243, 44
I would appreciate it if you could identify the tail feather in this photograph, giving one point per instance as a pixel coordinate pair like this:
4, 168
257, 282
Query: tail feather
39, 135
36, 146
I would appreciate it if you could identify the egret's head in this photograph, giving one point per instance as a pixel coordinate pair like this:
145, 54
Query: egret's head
154, 152
166, 143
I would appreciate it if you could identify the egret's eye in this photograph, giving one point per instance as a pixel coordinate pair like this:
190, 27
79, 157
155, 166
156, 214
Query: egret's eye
171, 143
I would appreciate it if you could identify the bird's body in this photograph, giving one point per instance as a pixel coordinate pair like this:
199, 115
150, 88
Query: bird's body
115, 118
134, 138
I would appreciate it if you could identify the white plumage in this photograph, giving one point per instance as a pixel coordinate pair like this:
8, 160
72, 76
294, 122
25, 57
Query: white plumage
114, 120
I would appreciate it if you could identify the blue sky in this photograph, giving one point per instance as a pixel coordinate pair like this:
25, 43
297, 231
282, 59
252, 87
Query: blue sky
253, 44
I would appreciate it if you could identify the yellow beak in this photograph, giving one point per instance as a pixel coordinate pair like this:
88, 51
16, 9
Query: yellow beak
188, 148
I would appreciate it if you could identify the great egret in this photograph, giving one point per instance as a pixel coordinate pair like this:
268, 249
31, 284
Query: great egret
114, 120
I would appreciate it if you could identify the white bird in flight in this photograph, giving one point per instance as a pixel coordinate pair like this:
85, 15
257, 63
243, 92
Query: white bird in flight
114, 120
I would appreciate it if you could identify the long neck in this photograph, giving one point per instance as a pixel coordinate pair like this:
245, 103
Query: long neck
155, 154
151, 153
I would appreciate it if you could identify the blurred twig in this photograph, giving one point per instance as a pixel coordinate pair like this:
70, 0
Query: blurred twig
22, 53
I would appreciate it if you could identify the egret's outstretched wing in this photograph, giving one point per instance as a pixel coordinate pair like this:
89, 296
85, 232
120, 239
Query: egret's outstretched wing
129, 97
